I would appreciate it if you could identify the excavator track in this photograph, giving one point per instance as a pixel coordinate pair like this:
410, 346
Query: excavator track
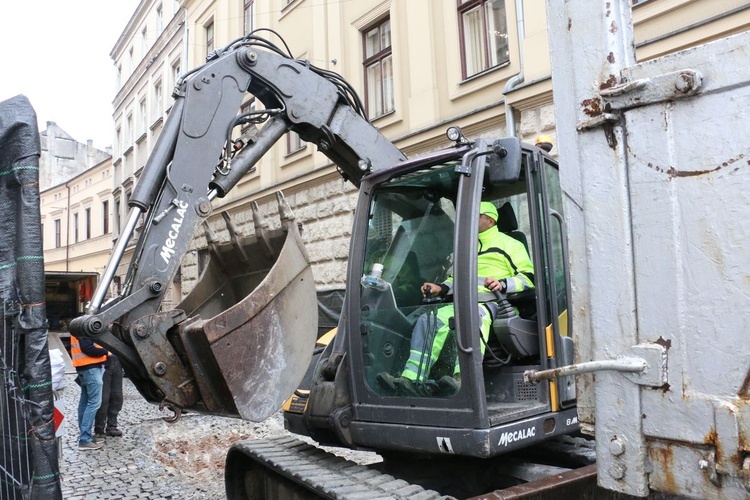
287, 468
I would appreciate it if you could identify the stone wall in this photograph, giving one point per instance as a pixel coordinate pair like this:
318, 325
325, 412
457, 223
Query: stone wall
538, 121
326, 211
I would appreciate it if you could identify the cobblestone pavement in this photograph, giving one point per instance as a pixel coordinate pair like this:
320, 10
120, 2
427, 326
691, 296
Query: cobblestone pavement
155, 459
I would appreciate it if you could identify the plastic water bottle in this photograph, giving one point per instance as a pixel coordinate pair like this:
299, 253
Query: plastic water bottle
374, 280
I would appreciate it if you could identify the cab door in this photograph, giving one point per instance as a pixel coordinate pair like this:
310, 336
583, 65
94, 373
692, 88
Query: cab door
552, 276
407, 228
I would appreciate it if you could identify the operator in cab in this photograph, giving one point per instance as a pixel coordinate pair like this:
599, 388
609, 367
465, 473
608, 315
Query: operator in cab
503, 265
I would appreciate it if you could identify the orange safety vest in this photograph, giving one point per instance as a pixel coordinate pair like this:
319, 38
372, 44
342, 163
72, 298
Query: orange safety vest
80, 358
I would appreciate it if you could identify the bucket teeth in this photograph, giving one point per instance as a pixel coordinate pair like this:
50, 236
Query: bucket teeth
258, 220
211, 238
234, 237
212, 241
261, 230
285, 211
234, 233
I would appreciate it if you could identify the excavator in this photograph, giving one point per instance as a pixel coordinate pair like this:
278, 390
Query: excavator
244, 339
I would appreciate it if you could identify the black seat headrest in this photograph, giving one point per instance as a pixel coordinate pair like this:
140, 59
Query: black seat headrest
506, 218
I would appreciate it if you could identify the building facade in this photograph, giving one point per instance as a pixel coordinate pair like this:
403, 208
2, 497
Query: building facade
77, 221
63, 157
418, 65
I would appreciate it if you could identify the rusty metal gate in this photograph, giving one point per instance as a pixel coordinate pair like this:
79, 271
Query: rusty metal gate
15, 466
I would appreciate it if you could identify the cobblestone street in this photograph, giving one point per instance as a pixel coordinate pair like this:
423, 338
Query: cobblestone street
158, 460
153, 459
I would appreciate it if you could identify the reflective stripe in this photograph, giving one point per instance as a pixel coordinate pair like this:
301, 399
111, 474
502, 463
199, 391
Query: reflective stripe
80, 358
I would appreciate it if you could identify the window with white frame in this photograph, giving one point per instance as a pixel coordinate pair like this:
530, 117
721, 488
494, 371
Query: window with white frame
142, 116
105, 217
294, 143
157, 104
247, 18
144, 43
117, 216
159, 20
87, 223
58, 233
176, 72
378, 63
75, 227
209, 37
483, 30
128, 130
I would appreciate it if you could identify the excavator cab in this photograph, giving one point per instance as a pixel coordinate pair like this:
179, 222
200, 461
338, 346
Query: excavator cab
417, 223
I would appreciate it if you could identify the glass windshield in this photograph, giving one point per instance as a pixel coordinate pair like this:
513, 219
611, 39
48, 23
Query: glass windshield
409, 242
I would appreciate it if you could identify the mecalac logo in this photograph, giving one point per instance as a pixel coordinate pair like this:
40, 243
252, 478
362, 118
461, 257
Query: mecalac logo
167, 250
512, 436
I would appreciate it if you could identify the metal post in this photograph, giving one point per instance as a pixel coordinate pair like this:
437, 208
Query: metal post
114, 261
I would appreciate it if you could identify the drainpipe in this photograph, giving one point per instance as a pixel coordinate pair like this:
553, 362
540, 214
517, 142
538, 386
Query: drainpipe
510, 116
185, 44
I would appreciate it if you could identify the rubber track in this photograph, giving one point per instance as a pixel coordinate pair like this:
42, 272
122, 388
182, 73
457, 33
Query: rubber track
328, 475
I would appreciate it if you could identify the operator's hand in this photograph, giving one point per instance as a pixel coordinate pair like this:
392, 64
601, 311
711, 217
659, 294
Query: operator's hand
494, 285
430, 290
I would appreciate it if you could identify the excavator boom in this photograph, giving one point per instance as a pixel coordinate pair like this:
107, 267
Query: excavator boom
237, 329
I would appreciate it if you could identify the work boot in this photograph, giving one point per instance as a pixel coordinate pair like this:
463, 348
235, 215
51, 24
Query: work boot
449, 385
91, 445
114, 431
406, 387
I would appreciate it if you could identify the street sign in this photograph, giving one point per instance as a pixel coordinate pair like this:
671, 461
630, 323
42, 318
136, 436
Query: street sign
59, 419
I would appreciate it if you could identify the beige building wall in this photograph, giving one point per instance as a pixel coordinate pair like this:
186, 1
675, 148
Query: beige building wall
85, 245
664, 26
429, 92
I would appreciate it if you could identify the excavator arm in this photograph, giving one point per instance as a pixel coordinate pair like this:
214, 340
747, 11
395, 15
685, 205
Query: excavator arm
239, 344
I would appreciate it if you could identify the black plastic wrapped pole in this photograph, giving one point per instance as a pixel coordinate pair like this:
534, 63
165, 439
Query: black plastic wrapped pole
29, 466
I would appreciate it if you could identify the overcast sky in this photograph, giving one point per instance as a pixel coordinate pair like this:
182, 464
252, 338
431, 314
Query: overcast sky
56, 53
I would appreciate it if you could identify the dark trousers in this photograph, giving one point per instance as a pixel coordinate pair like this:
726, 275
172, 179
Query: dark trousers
106, 417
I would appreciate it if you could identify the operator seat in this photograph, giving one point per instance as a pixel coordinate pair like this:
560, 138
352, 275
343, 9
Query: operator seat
516, 332
508, 223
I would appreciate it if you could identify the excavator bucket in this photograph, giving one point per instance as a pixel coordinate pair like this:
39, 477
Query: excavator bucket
252, 319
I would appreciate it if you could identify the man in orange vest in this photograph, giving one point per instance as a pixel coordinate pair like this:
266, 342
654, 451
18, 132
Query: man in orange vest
88, 359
